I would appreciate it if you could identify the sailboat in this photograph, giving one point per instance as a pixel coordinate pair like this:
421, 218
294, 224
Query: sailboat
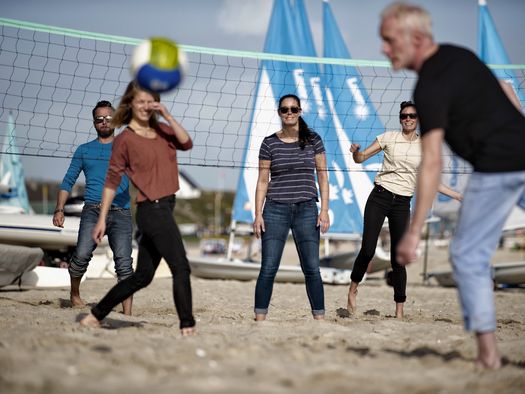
27, 239
289, 34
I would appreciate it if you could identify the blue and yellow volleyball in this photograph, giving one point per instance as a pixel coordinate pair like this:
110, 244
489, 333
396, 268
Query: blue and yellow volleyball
158, 64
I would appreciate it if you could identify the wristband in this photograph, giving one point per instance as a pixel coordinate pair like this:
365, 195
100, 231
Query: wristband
59, 210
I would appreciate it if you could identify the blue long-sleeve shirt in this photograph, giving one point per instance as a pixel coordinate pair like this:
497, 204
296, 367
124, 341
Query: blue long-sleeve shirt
93, 158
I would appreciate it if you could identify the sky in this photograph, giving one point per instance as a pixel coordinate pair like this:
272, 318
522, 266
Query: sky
241, 25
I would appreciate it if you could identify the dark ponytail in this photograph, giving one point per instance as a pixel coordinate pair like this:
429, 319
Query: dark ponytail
305, 133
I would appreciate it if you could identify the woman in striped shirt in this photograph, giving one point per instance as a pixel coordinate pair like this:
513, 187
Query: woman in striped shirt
288, 162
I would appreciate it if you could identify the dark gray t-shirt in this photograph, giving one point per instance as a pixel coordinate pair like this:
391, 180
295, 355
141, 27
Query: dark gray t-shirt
292, 169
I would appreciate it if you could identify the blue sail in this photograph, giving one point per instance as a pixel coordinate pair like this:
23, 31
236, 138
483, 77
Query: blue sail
12, 173
492, 51
353, 120
288, 34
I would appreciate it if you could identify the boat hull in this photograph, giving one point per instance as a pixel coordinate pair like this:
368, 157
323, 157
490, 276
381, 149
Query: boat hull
222, 268
512, 273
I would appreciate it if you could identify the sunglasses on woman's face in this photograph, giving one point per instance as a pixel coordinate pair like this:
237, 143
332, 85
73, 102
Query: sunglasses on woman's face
406, 116
285, 110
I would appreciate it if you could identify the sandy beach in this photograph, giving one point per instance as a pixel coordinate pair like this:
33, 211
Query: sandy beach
43, 349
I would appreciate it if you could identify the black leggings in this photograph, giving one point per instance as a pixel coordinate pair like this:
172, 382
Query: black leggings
159, 237
380, 204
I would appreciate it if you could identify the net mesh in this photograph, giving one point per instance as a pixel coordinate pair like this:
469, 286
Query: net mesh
51, 78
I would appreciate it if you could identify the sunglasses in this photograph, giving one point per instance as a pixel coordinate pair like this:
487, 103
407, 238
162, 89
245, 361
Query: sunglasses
285, 110
100, 119
406, 116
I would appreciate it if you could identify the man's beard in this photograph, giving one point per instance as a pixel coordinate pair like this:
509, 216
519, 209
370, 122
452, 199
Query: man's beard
105, 134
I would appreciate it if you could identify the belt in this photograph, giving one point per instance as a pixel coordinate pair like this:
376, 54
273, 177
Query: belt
170, 198
99, 205
382, 189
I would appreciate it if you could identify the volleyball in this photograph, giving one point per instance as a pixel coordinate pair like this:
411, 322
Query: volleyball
158, 64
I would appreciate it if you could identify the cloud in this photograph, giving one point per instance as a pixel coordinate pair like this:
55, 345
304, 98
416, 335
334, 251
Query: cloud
245, 17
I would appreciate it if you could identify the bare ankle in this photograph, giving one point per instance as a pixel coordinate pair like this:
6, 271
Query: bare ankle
76, 300
260, 317
488, 354
352, 298
399, 311
188, 331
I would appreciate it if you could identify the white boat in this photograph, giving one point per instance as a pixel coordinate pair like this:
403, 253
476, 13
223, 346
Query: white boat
17, 260
511, 273
38, 231
345, 260
224, 268
19, 266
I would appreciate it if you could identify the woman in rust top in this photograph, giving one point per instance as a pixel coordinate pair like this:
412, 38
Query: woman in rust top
146, 151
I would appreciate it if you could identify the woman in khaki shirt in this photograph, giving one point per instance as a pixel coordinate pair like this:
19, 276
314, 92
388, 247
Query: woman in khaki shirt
394, 186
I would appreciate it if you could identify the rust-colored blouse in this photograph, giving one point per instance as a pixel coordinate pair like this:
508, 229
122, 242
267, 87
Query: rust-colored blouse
151, 164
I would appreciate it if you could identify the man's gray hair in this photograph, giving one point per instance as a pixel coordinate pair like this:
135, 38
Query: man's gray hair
411, 17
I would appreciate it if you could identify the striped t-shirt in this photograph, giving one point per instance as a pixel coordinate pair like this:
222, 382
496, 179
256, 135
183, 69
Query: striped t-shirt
292, 169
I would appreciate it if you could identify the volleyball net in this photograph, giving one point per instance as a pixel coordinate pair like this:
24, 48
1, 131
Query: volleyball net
51, 78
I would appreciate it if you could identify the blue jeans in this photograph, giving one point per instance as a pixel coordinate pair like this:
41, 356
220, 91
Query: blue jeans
279, 218
487, 202
119, 230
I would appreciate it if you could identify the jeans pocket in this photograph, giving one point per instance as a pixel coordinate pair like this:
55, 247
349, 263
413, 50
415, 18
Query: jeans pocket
123, 212
91, 207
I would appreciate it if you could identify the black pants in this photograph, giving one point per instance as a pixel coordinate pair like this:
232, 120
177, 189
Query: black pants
380, 204
159, 237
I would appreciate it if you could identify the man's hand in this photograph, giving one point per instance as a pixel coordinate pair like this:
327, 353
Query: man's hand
406, 250
58, 219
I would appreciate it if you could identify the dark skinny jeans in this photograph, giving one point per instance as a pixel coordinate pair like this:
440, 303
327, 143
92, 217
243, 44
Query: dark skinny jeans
159, 237
380, 204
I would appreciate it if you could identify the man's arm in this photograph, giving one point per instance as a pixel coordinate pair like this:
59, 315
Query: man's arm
75, 167
58, 216
428, 181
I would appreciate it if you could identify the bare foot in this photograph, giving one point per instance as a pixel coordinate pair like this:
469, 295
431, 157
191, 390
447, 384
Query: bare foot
352, 298
90, 321
488, 354
126, 306
486, 364
188, 331
260, 317
399, 310
318, 317
76, 301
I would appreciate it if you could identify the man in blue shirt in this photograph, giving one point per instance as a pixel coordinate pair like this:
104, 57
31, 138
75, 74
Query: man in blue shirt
93, 158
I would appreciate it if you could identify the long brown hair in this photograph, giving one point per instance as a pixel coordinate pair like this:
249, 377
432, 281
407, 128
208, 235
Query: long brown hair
123, 114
